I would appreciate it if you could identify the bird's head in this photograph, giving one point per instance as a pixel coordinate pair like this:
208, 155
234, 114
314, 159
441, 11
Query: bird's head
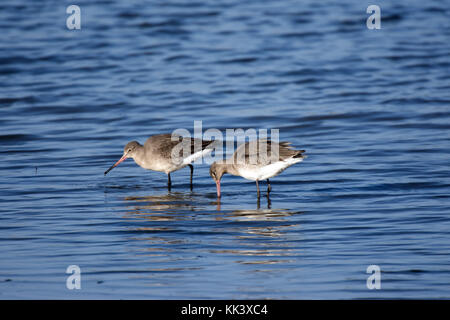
216, 171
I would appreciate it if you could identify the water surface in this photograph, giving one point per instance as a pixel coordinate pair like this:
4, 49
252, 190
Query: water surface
371, 107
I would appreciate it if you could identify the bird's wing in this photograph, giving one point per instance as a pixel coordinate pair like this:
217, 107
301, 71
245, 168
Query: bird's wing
265, 151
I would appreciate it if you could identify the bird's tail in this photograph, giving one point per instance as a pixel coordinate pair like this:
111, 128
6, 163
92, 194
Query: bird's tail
300, 154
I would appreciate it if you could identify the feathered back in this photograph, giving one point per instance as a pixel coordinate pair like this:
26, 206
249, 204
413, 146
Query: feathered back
265, 151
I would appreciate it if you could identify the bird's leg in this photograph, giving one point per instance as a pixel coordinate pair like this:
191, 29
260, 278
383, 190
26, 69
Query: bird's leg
269, 188
257, 188
169, 182
192, 172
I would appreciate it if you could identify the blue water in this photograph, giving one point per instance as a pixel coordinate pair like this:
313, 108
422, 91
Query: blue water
371, 107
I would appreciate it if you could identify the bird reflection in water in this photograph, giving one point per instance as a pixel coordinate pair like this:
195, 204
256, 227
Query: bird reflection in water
262, 243
258, 203
163, 207
261, 237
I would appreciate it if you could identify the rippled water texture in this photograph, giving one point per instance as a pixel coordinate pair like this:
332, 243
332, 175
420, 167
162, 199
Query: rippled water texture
371, 107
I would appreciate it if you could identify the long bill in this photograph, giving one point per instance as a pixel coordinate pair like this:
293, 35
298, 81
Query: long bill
218, 188
124, 157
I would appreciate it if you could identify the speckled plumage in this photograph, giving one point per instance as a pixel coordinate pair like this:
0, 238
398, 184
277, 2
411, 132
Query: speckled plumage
165, 153
257, 160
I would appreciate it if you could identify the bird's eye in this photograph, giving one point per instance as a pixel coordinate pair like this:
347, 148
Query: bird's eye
129, 150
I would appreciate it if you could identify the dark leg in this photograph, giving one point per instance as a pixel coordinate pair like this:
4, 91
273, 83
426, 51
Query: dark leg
257, 188
192, 172
269, 188
169, 182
